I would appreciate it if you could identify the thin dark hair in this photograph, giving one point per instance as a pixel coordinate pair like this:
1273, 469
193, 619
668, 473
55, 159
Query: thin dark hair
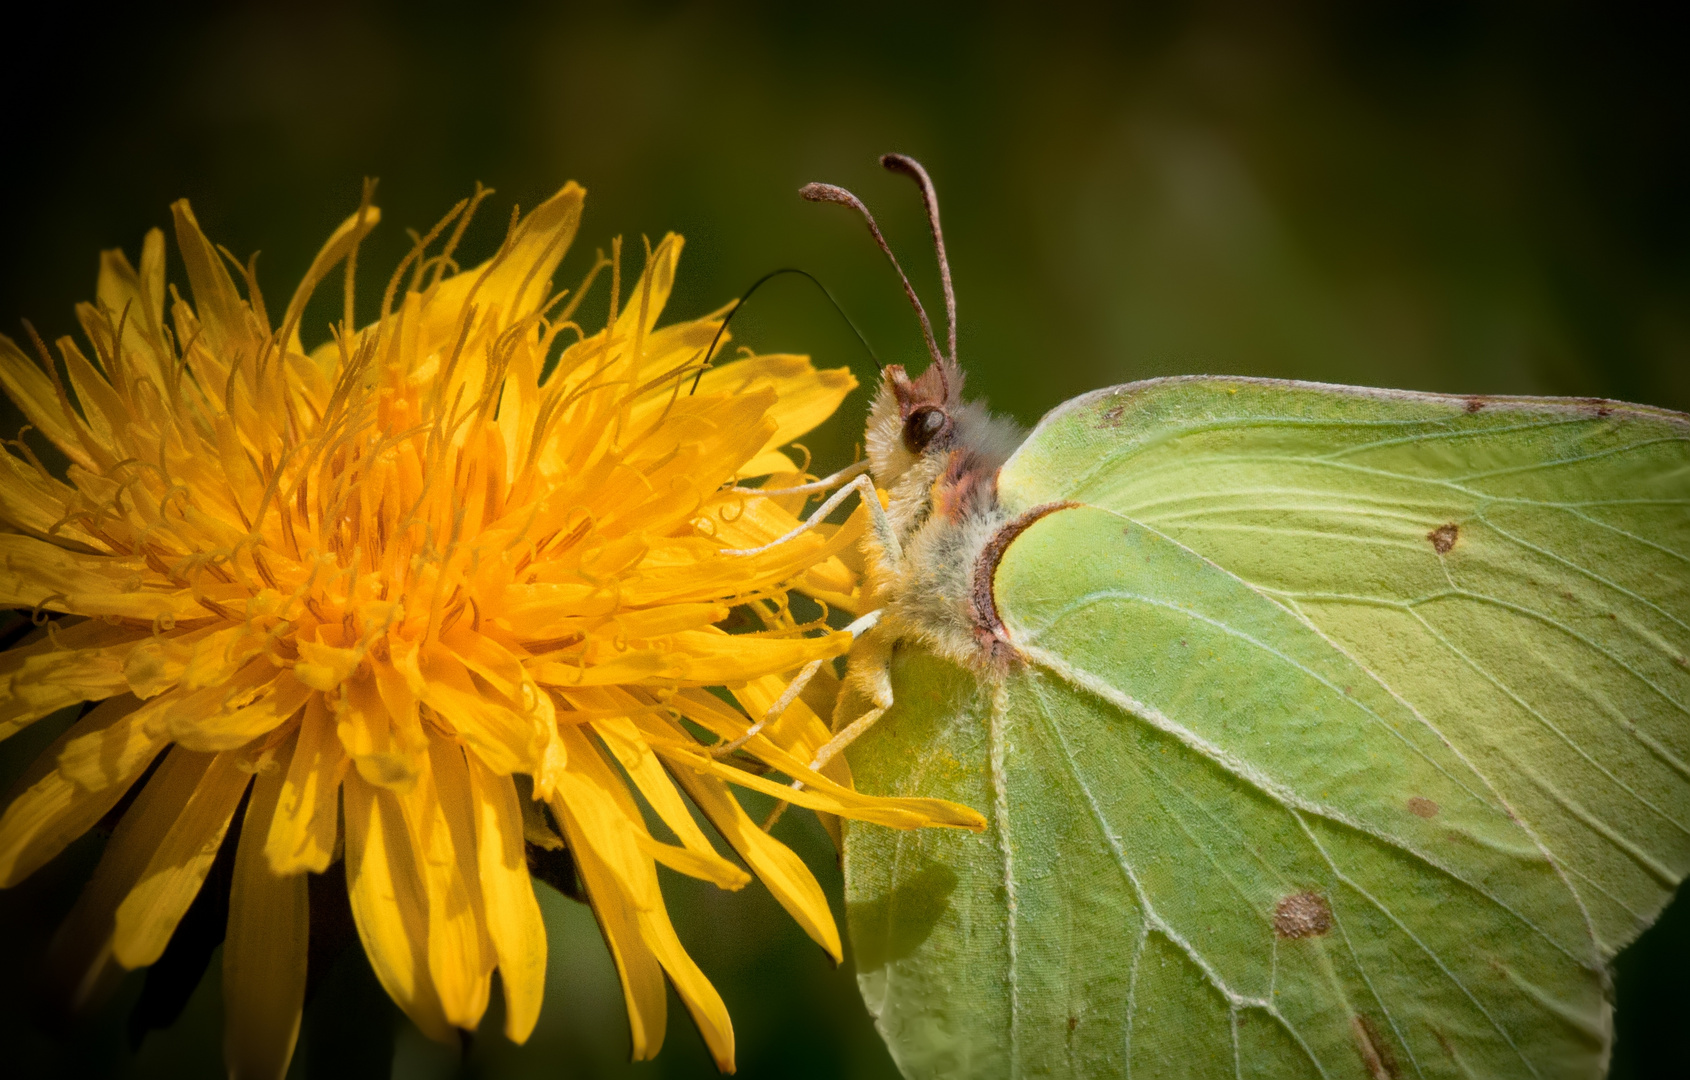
758, 284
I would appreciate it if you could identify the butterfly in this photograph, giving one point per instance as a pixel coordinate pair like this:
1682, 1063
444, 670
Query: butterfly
1321, 731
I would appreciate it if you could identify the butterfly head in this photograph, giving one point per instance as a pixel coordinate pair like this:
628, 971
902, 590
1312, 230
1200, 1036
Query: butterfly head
925, 444
935, 453
911, 419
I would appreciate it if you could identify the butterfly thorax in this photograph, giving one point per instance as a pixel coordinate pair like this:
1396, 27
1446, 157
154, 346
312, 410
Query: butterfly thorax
937, 458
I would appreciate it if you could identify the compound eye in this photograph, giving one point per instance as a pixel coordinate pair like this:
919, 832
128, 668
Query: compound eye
921, 426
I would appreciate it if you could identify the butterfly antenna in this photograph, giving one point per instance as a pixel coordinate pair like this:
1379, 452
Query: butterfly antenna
910, 167
758, 284
833, 194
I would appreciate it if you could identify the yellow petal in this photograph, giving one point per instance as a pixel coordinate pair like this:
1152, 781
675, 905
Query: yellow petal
819, 792
324, 667
627, 891
634, 347
81, 663
33, 392
304, 826
716, 870
52, 809
382, 749
622, 738
715, 658
800, 732
113, 753
742, 521
494, 728
618, 915
500, 668
265, 948
149, 914
698, 657
37, 574
594, 798
513, 915
701, 999
651, 292
157, 664
102, 410
442, 836
548, 605
774, 863
336, 248
643, 668
726, 575
637, 624
765, 463
227, 321
35, 504
806, 396
81, 952
136, 298
388, 904
193, 659
823, 796
518, 279
259, 698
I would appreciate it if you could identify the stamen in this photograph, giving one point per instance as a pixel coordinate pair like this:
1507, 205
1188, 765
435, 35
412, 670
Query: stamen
445, 255
364, 204
414, 255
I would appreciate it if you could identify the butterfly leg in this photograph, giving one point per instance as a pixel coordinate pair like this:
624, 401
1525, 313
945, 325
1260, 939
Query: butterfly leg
845, 737
863, 486
805, 674
826, 483
871, 671
878, 658
871, 666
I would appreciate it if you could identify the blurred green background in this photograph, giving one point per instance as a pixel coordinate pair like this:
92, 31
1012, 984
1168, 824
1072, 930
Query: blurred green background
1472, 198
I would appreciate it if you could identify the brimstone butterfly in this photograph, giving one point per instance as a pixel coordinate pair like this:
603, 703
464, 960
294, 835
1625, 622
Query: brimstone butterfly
1321, 731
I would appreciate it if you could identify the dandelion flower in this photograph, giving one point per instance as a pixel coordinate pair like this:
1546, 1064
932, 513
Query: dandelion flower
416, 599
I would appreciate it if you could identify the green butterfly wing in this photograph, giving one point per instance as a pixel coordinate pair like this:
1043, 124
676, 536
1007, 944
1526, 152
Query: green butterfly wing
1351, 741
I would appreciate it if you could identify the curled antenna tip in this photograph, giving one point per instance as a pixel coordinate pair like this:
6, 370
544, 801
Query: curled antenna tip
910, 167
816, 192
827, 193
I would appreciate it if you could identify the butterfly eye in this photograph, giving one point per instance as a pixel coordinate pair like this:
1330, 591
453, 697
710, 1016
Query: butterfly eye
921, 426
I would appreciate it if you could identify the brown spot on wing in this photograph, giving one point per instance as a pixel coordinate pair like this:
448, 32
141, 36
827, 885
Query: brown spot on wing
1375, 1051
1112, 417
1444, 537
1449, 1051
1420, 806
1301, 915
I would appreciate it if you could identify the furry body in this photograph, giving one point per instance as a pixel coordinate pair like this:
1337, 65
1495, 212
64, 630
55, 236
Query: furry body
942, 509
